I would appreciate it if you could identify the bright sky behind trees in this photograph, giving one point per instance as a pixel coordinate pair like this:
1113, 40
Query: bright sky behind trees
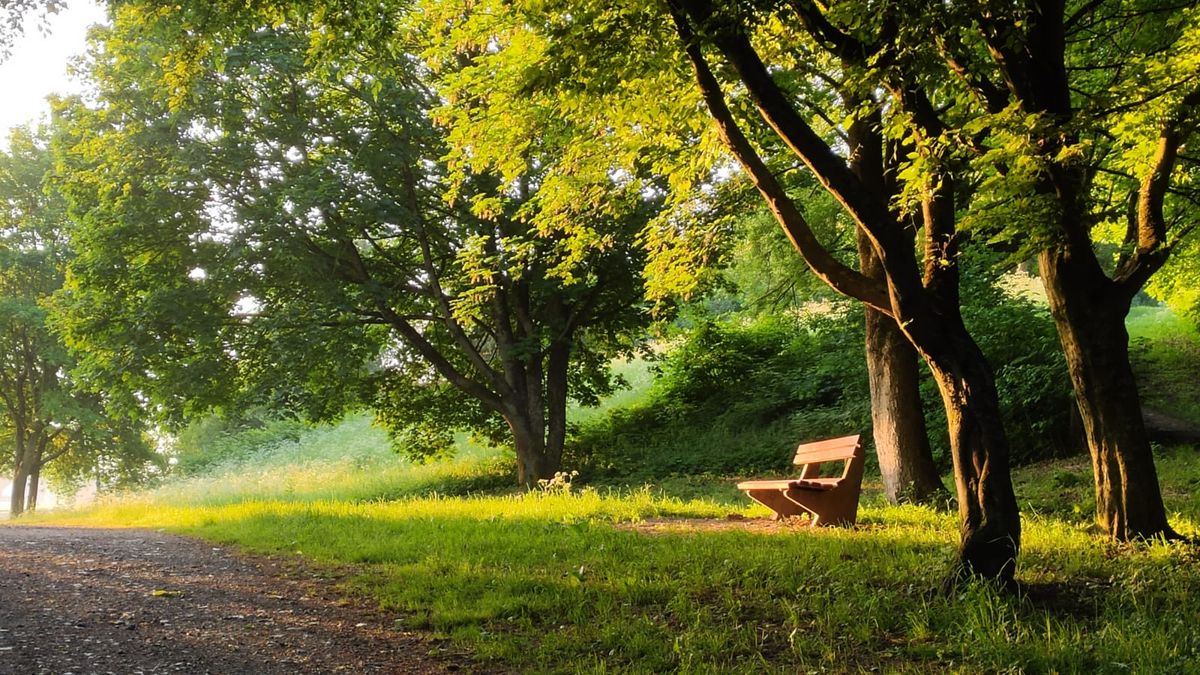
38, 64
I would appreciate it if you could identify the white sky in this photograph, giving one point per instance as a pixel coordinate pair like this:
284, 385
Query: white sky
38, 65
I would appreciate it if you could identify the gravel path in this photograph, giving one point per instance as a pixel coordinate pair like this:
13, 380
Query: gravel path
86, 601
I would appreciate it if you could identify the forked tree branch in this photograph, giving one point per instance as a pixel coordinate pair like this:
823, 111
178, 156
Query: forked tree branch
840, 277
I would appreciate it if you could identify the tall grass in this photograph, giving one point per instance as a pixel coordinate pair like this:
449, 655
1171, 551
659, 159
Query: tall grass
351, 461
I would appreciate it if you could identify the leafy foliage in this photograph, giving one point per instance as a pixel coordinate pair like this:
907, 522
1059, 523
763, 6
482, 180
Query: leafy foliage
271, 220
737, 397
734, 399
48, 423
15, 15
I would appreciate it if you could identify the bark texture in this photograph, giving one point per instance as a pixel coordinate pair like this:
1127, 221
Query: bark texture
989, 519
31, 496
537, 415
1091, 326
16, 503
897, 420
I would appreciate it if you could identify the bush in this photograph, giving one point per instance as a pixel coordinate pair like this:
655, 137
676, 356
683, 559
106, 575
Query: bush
734, 398
1019, 339
214, 440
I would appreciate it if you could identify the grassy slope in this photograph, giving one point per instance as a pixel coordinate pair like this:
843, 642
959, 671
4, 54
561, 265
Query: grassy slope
561, 582
1166, 354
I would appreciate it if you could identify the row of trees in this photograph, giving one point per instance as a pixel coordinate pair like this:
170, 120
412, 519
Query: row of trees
448, 212
1042, 127
48, 422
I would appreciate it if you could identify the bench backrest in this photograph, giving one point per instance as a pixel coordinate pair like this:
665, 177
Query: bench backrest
812, 455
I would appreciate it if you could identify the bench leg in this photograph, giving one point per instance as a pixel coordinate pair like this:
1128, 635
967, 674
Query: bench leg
778, 501
833, 507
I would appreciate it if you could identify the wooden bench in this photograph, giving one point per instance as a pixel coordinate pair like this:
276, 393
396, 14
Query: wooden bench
830, 501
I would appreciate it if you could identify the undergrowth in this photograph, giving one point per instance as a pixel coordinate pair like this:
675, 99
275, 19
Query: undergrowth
1165, 351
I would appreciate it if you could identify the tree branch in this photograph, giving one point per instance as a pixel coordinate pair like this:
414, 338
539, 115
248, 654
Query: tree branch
1151, 251
840, 277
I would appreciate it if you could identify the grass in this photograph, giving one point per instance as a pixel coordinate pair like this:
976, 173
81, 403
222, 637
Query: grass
350, 462
1165, 351
575, 581
587, 580
567, 582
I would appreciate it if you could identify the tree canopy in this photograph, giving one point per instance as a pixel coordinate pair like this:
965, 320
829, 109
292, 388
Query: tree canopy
48, 423
284, 227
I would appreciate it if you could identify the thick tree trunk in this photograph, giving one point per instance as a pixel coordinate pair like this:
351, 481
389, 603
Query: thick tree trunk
531, 457
1090, 315
535, 460
20, 469
557, 363
897, 420
539, 421
988, 515
16, 505
31, 496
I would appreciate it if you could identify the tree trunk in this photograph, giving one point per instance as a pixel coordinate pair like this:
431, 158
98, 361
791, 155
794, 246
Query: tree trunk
16, 505
1090, 315
20, 469
988, 515
557, 363
539, 421
31, 496
530, 447
897, 420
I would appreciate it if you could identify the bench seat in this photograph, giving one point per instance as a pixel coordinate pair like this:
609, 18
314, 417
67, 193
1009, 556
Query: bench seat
785, 483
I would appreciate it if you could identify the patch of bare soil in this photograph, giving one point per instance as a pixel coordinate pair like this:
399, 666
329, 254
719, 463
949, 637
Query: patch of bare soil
731, 523
132, 601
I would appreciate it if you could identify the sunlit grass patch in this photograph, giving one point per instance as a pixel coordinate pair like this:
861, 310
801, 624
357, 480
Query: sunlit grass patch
571, 582
685, 575
351, 461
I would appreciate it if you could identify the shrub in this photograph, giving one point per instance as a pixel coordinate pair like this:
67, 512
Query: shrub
214, 440
1018, 337
733, 398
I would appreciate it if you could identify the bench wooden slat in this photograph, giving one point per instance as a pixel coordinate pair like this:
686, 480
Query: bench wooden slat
788, 483
826, 451
824, 456
778, 484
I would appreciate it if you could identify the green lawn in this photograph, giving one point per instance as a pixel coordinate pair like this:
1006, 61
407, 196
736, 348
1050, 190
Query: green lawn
579, 582
591, 580
1166, 355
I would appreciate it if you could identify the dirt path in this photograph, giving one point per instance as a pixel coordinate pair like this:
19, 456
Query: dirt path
86, 601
